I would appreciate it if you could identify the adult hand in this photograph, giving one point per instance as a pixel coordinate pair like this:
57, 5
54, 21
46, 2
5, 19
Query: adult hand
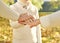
31, 23
24, 17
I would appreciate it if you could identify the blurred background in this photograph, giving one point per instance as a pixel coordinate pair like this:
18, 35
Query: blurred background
45, 7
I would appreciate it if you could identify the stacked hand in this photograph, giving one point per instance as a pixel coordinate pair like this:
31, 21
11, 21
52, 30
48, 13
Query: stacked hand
26, 19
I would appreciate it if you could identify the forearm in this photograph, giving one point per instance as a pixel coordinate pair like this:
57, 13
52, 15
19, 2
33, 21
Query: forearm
7, 13
52, 20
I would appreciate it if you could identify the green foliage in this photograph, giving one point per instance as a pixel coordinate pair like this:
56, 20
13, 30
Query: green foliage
37, 3
8, 2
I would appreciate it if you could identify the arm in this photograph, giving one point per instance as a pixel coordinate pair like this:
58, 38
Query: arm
19, 10
24, 31
52, 20
7, 13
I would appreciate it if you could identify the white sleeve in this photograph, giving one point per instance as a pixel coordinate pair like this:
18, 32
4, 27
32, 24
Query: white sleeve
14, 24
36, 13
7, 13
33, 11
19, 10
38, 27
52, 20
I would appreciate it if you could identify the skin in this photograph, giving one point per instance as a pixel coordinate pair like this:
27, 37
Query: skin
28, 20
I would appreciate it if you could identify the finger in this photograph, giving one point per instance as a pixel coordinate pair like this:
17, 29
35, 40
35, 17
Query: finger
24, 22
32, 18
28, 22
36, 22
24, 18
28, 17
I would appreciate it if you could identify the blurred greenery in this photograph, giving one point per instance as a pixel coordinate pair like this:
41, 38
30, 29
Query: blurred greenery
37, 3
9, 2
50, 6
5, 30
51, 35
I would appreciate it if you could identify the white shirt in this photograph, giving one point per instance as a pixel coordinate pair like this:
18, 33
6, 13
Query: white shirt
7, 13
35, 31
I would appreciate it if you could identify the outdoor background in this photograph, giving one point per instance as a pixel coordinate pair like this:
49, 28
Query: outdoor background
45, 7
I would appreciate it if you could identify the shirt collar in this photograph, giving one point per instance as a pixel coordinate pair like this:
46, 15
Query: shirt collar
24, 4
